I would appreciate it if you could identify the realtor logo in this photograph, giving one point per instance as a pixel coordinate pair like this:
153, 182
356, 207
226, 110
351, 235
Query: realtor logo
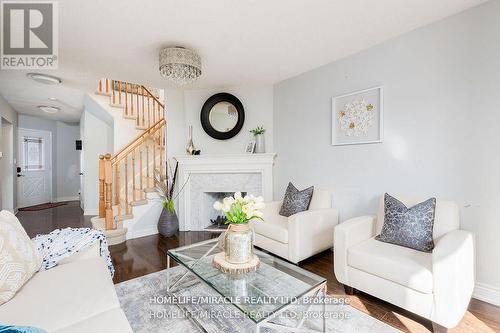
29, 35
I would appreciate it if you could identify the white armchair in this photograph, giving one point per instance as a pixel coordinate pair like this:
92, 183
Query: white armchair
301, 235
437, 286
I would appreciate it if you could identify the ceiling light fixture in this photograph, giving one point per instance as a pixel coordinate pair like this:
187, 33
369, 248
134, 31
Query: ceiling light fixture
180, 65
49, 109
43, 78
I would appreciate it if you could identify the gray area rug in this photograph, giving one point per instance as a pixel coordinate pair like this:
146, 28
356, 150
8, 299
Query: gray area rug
149, 308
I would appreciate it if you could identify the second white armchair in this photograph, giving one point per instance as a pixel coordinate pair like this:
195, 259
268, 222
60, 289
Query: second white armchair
437, 286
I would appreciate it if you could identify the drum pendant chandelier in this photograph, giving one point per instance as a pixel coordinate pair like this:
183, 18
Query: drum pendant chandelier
180, 65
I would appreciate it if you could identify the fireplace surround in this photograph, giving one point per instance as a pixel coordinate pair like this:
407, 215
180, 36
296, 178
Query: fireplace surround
206, 175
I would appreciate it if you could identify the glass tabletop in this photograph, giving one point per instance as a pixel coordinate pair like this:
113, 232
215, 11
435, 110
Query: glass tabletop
274, 285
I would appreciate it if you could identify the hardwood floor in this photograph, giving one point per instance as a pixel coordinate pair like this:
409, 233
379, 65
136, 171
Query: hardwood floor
146, 255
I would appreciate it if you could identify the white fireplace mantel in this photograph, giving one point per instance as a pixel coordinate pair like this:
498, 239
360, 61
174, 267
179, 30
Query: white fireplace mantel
205, 172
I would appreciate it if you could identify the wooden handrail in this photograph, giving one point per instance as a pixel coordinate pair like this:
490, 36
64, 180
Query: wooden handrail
133, 144
154, 97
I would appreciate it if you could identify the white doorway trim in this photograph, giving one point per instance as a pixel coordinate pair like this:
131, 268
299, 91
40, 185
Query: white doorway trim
7, 180
47, 161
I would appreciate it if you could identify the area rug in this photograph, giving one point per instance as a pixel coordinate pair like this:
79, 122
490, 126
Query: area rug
149, 308
47, 205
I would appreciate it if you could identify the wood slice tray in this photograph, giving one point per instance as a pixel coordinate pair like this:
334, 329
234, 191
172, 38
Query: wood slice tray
219, 262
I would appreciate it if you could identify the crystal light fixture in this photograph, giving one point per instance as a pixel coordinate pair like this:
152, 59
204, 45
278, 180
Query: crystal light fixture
180, 65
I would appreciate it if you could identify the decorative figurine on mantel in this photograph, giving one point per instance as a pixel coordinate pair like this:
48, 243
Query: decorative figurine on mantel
190, 149
238, 254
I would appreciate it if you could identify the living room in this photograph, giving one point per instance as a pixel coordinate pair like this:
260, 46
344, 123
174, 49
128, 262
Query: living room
231, 166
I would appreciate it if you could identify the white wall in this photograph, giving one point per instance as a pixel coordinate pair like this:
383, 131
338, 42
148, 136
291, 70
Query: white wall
441, 127
65, 157
9, 114
258, 105
97, 138
67, 177
7, 174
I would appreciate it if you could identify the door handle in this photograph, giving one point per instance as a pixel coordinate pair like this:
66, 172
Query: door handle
19, 175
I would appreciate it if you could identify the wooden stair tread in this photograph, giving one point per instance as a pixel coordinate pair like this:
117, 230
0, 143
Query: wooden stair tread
123, 217
139, 202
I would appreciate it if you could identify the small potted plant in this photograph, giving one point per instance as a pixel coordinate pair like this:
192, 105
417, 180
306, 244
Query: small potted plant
260, 144
168, 223
239, 211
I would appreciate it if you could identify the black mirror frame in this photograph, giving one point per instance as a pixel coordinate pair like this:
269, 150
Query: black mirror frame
205, 116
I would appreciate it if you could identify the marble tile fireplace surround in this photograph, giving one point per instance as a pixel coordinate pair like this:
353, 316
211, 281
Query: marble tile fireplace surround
208, 177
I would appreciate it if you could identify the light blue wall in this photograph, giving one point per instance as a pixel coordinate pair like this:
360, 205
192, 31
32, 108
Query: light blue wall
441, 123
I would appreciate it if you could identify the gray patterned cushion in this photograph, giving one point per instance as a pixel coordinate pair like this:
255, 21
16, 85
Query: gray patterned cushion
408, 227
296, 201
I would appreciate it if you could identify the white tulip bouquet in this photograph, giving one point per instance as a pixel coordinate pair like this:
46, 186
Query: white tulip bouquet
239, 209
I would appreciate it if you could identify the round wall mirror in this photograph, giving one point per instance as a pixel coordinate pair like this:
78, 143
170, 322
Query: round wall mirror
222, 116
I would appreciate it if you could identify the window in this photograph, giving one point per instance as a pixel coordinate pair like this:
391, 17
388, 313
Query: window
33, 154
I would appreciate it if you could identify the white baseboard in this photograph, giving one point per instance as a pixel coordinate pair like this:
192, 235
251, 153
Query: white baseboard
142, 233
487, 293
91, 211
75, 198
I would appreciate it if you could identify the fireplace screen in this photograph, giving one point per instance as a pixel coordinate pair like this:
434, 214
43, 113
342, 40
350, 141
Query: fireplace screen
216, 219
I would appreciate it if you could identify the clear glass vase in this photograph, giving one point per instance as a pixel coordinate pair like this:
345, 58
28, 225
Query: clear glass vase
238, 245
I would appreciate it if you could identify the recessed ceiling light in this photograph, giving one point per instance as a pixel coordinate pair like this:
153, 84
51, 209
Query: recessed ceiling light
43, 78
49, 109
54, 99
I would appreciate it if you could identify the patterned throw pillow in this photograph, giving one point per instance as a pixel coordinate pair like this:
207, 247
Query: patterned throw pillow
296, 201
19, 258
408, 227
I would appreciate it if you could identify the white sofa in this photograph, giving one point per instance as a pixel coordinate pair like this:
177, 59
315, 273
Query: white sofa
77, 296
301, 235
437, 286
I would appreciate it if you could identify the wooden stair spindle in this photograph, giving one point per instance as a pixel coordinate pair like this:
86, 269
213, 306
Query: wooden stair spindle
108, 183
143, 108
137, 100
127, 208
134, 189
140, 175
120, 92
150, 118
102, 204
107, 86
147, 164
113, 92
131, 101
126, 100
117, 187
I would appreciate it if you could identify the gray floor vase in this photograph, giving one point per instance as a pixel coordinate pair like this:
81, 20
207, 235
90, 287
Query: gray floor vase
145, 301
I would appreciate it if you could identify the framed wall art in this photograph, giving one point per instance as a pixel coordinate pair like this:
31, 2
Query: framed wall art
357, 117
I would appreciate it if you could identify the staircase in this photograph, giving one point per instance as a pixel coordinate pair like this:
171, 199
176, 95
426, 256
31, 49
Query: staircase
126, 178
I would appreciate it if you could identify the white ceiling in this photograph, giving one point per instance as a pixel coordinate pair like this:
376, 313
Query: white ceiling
244, 42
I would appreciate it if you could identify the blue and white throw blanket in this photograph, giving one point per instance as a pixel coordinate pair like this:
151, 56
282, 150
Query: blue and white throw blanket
62, 243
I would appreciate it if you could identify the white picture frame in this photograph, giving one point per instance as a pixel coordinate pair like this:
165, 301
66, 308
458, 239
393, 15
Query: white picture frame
357, 117
250, 147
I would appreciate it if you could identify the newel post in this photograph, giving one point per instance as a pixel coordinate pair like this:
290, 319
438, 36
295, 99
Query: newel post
108, 189
101, 187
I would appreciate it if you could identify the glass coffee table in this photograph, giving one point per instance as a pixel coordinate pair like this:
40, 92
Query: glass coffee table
262, 296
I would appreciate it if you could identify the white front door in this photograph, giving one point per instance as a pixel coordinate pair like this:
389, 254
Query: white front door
34, 177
